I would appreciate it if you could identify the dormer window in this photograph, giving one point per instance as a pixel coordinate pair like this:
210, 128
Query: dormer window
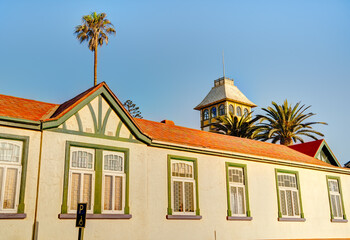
206, 114
213, 112
221, 110
239, 111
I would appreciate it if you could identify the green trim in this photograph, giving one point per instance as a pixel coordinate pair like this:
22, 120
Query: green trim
24, 163
329, 150
244, 167
19, 123
105, 120
341, 195
296, 173
59, 130
80, 125
114, 104
93, 115
99, 114
98, 174
117, 133
195, 168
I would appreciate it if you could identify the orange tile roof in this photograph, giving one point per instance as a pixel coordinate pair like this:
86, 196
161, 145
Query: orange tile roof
21, 108
197, 138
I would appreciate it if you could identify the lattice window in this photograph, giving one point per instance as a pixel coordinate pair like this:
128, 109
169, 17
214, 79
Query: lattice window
231, 109
113, 182
213, 112
206, 114
183, 187
246, 112
237, 191
335, 199
10, 174
221, 110
239, 111
289, 195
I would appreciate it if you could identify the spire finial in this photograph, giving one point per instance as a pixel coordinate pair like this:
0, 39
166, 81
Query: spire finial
223, 63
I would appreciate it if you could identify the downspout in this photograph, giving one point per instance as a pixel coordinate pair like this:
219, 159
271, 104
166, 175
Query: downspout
36, 224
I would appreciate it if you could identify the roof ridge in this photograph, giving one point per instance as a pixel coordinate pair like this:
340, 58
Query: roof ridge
28, 99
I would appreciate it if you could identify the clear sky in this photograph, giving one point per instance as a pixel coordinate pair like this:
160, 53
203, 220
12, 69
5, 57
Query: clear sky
166, 55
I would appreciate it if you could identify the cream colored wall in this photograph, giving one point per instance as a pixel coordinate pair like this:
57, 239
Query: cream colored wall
21, 229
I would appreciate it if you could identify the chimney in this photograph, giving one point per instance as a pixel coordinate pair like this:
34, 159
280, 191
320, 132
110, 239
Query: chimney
168, 122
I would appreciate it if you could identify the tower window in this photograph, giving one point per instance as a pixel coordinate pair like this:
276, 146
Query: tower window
206, 114
246, 112
221, 109
231, 109
239, 111
213, 112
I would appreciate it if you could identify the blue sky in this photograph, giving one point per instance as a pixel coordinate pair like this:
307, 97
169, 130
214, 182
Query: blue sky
166, 55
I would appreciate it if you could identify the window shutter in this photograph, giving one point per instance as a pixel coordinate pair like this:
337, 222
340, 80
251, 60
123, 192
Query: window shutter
87, 190
189, 203
108, 193
241, 208
289, 203
10, 188
296, 203
75, 191
339, 208
283, 202
178, 196
118, 202
1, 179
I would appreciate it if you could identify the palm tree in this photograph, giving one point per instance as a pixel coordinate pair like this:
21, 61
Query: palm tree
286, 124
231, 125
94, 29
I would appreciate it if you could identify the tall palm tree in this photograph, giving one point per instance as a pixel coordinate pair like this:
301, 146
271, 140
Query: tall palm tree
286, 124
231, 125
94, 29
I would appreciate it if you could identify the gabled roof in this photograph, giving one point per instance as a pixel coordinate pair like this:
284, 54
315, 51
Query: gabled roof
197, 138
313, 149
14, 107
224, 89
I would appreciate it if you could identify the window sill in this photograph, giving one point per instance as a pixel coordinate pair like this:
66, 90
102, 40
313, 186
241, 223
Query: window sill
183, 217
233, 218
95, 216
13, 215
339, 220
291, 219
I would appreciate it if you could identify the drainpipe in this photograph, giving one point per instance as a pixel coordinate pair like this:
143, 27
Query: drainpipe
36, 223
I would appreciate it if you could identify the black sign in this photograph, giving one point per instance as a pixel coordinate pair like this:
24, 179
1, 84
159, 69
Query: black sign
81, 215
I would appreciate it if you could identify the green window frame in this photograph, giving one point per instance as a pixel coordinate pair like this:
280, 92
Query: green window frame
24, 163
195, 173
246, 192
280, 217
98, 168
333, 218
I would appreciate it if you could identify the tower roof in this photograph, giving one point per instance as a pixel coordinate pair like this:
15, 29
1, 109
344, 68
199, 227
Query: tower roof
224, 89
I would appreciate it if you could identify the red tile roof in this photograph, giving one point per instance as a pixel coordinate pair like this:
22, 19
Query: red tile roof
15, 107
308, 148
197, 138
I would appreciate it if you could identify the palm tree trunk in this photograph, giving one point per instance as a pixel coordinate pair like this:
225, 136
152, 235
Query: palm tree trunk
95, 66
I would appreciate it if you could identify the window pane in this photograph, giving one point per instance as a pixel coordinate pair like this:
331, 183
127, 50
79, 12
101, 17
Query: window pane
231, 110
178, 196
334, 206
289, 203
113, 162
339, 207
296, 203
182, 170
75, 191
234, 204
241, 208
9, 152
108, 193
10, 188
118, 202
236, 175
283, 202
87, 190
189, 201
82, 159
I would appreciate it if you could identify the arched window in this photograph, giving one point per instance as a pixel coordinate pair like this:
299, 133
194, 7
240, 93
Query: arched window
239, 111
246, 112
213, 112
231, 109
206, 114
221, 110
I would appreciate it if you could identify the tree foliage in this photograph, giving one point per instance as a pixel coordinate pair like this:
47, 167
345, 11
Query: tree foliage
132, 109
286, 124
232, 125
94, 29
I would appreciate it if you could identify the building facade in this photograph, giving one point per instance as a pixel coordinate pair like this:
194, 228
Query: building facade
148, 180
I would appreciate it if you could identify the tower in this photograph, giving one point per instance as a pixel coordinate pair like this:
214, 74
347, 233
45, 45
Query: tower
223, 98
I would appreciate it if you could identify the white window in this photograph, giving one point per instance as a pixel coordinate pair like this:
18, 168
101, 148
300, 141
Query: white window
288, 195
183, 187
335, 199
10, 174
81, 178
113, 199
237, 191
